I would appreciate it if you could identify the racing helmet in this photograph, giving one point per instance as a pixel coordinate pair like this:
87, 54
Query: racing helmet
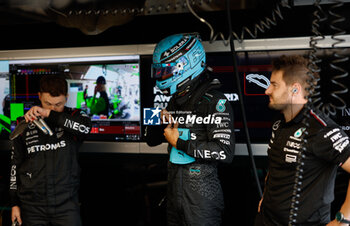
177, 61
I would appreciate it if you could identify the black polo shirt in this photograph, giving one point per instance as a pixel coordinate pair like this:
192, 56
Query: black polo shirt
327, 148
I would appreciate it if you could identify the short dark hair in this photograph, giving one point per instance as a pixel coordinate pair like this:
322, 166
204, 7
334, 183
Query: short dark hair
55, 85
295, 69
101, 80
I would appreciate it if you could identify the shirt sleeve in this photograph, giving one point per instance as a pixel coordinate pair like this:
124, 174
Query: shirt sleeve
17, 157
220, 143
154, 135
332, 145
77, 123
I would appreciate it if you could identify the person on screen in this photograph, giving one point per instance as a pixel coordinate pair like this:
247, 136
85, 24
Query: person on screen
44, 177
6, 105
306, 146
85, 92
195, 145
99, 106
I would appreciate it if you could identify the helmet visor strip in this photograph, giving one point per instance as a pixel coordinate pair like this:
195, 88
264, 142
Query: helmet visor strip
162, 72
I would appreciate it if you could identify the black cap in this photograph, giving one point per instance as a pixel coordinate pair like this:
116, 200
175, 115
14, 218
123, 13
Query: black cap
101, 80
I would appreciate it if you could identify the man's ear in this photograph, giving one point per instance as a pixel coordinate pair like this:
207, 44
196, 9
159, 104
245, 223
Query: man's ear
296, 88
39, 94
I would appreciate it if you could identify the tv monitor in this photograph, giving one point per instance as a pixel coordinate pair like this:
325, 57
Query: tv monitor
5, 121
106, 88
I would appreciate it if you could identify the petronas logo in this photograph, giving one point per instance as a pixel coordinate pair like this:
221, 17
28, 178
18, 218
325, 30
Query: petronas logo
299, 132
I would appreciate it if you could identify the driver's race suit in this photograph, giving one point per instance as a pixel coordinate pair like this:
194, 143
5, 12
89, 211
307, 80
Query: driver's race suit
194, 194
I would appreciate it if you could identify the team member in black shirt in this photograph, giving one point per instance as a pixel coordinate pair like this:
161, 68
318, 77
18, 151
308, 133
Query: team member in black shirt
45, 172
327, 147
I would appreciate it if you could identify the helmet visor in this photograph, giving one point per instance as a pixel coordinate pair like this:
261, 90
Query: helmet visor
162, 72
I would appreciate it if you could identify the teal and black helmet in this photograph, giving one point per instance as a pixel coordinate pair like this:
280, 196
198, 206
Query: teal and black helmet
177, 61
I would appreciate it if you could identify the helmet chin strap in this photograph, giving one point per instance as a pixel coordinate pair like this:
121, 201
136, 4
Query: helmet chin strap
184, 92
195, 82
183, 96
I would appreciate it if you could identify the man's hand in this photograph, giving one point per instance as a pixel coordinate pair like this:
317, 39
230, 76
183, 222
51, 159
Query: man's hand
16, 215
171, 134
95, 90
336, 223
35, 112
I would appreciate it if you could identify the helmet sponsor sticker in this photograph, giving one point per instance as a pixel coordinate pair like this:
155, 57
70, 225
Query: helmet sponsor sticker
174, 48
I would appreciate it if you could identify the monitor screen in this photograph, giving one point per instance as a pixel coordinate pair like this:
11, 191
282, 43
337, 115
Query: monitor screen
5, 121
106, 88
129, 88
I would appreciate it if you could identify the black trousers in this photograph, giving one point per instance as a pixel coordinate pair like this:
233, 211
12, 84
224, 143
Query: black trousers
258, 220
194, 196
66, 214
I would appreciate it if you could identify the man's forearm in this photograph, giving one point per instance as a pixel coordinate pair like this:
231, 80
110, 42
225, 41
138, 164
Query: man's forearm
345, 208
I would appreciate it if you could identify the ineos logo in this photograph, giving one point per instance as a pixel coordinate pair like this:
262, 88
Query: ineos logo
76, 126
346, 112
